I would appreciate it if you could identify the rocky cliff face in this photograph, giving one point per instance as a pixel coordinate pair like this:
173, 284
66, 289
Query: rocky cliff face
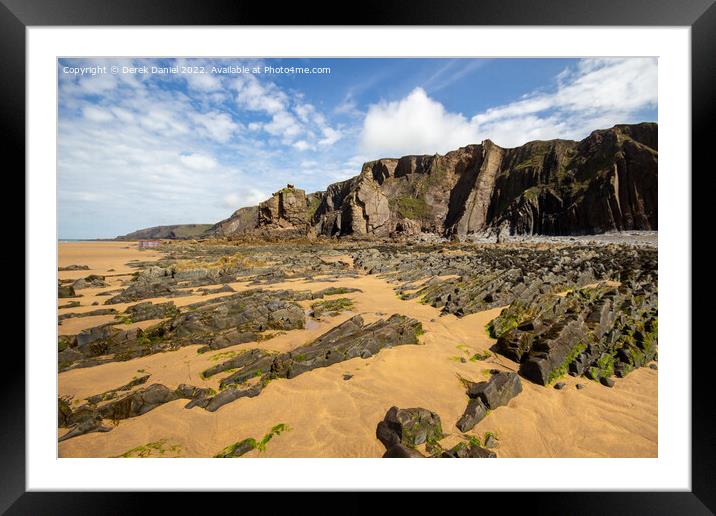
287, 214
608, 181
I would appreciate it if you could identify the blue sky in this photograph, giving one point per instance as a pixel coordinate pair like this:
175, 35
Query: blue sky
167, 145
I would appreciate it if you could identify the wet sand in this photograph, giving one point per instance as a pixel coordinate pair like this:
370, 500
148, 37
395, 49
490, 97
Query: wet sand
333, 417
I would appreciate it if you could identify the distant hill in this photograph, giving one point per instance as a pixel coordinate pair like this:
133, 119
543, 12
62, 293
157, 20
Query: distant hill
175, 232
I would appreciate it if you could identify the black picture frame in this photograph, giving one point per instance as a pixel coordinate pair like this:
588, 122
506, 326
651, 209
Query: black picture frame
700, 15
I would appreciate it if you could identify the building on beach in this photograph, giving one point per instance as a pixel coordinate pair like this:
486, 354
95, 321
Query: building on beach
146, 244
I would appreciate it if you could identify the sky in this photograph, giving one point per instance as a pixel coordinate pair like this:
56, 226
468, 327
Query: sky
149, 142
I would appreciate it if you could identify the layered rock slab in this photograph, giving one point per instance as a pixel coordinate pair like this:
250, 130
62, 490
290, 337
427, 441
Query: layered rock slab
351, 339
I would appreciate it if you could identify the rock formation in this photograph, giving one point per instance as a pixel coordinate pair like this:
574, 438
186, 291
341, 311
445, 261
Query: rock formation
489, 395
401, 430
287, 214
351, 339
410, 427
606, 182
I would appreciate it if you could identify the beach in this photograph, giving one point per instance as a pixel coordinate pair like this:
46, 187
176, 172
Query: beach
333, 411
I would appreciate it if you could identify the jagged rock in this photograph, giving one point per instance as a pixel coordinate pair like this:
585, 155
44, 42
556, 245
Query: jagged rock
97, 398
88, 418
286, 207
64, 291
94, 341
74, 268
555, 349
331, 291
409, 427
91, 281
254, 357
490, 441
137, 403
347, 340
197, 395
560, 385
497, 391
147, 310
217, 290
238, 449
155, 281
249, 311
606, 182
580, 386
474, 413
596, 331
217, 323
400, 451
607, 382
515, 343
386, 434
351, 339
331, 307
464, 451
494, 393
229, 394
71, 315
68, 356
85, 427
64, 411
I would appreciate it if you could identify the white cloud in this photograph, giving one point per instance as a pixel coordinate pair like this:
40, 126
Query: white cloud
283, 124
123, 115
81, 196
451, 72
158, 151
164, 120
253, 95
415, 124
217, 126
597, 93
231, 200
203, 81
301, 145
246, 197
96, 115
304, 111
98, 84
330, 136
292, 120
198, 161
355, 162
347, 107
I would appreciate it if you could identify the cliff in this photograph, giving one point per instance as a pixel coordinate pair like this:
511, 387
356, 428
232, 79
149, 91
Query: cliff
606, 182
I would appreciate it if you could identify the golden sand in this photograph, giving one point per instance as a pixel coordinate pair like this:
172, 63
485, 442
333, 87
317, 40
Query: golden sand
333, 417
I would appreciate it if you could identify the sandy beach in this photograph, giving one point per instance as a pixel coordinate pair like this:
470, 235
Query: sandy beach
329, 416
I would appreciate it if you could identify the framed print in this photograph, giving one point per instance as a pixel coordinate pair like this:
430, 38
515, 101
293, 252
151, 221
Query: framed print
313, 247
